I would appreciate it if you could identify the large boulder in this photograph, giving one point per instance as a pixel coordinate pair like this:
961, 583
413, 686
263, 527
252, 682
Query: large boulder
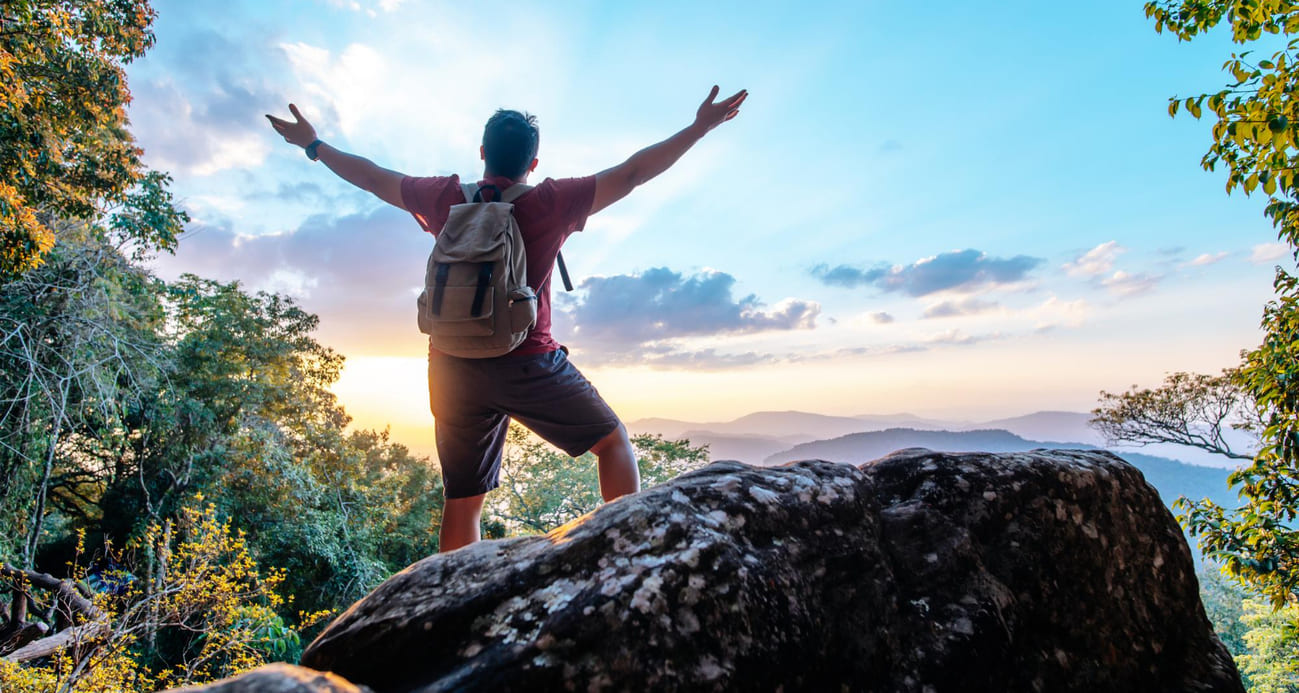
1041, 571
278, 678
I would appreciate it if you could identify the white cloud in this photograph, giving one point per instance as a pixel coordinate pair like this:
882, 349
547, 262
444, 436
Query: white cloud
1054, 312
959, 308
195, 133
368, 8
1206, 259
417, 101
351, 85
1095, 262
1265, 253
1125, 284
957, 338
957, 270
293, 282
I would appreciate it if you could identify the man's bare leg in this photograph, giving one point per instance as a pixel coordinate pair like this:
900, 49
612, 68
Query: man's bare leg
461, 520
619, 474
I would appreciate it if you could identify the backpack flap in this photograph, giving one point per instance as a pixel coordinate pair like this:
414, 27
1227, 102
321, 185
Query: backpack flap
474, 233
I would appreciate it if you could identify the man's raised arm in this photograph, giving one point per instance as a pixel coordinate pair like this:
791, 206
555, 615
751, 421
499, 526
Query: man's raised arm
361, 172
613, 184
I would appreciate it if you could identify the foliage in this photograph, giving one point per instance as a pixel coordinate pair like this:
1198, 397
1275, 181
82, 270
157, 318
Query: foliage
1272, 663
1222, 599
191, 606
122, 397
542, 488
1260, 542
114, 673
65, 152
1188, 409
1255, 136
249, 421
78, 347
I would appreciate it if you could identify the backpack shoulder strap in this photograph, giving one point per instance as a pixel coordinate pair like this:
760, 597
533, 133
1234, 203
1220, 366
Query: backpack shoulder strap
514, 192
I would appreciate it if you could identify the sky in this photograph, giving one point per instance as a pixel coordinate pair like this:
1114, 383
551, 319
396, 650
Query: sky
950, 209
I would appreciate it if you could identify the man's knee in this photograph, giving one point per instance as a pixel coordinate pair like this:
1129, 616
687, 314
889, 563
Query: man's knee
468, 507
614, 440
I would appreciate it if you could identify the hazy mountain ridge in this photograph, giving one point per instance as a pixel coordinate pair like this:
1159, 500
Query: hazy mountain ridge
768, 438
1171, 478
794, 426
732, 439
858, 448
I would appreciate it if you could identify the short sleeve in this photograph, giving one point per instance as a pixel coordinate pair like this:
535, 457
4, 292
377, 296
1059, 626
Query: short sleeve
572, 198
429, 199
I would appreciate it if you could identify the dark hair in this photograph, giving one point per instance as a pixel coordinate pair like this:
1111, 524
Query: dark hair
510, 143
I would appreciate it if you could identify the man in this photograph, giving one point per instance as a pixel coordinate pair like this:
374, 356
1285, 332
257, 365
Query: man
473, 400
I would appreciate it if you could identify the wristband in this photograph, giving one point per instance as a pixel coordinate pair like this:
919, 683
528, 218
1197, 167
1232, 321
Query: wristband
310, 150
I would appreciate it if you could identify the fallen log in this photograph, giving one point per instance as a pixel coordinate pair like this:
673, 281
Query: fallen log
94, 623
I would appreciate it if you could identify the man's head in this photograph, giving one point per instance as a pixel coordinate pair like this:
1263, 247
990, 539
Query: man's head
510, 143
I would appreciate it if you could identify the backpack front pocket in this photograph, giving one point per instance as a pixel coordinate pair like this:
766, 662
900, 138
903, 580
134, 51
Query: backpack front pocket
456, 317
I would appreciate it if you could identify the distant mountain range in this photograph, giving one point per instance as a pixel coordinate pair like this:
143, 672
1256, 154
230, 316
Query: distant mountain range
754, 437
770, 438
857, 448
1171, 478
793, 426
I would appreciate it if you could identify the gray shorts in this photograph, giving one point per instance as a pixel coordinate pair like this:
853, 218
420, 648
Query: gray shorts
473, 400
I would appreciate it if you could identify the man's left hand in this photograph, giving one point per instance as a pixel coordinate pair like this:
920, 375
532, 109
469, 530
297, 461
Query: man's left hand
300, 132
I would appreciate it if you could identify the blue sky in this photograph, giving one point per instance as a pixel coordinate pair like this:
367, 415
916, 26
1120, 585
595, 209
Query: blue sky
944, 208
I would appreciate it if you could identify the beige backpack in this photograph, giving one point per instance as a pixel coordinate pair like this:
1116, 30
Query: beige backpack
476, 301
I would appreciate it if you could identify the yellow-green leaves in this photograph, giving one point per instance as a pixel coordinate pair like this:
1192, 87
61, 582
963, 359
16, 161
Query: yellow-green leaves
64, 149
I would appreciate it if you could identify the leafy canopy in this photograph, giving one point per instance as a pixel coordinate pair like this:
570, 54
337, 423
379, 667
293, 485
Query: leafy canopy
65, 151
1255, 136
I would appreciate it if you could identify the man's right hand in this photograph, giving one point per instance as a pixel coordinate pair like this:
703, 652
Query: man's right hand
713, 113
363, 173
299, 132
615, 183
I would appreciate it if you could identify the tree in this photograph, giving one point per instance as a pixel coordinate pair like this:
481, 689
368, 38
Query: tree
1188, 409
121, 398
1223, 603
65, 153
78, 348
1256, 137
246, 419
1272, 663
542, 488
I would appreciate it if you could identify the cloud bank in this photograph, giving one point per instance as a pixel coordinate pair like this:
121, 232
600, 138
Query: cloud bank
1096, 264
959, 270
360, 273
642, 318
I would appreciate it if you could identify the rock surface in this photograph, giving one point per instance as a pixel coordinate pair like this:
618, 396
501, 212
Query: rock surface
927, 572
279, 678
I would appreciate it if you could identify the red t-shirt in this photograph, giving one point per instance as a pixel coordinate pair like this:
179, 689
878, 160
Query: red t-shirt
546, 215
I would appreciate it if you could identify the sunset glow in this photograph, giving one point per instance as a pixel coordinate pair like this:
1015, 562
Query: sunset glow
910, 214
